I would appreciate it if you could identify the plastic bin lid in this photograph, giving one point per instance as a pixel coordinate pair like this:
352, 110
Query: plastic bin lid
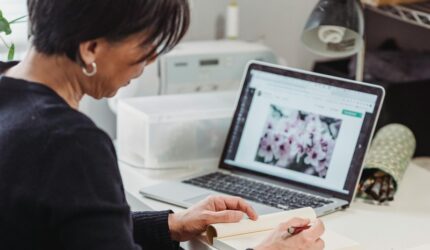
184, 104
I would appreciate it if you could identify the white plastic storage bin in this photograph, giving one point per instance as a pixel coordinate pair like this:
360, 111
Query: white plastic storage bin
174, 131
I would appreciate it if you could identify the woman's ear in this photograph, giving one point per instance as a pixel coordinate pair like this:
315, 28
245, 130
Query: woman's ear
89, 51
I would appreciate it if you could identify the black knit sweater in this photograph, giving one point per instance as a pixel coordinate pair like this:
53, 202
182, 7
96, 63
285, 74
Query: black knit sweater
60, 186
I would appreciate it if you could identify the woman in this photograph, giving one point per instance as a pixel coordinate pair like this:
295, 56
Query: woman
60, 187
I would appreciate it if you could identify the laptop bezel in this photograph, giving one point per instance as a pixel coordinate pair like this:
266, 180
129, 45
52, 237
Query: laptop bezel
318, 78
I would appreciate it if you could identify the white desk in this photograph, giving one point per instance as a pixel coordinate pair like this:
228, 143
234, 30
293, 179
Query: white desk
403, 224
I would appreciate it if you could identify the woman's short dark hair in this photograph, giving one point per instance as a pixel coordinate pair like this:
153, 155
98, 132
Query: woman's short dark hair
59, 26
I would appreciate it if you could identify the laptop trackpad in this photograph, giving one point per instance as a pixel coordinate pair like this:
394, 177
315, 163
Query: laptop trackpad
180, 193
176, 191
259, 208
196, 199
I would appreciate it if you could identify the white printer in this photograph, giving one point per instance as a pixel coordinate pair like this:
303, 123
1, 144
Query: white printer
208, 66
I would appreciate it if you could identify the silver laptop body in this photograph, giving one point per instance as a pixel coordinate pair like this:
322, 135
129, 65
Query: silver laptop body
292, 131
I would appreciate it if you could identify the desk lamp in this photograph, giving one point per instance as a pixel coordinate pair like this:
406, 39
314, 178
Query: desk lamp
335, 29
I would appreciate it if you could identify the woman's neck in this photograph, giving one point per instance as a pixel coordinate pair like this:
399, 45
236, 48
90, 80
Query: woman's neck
57, 72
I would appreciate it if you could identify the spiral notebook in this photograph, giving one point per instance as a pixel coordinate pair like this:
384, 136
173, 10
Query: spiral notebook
248, 233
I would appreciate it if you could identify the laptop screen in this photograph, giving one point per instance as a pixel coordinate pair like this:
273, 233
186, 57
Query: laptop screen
302, 127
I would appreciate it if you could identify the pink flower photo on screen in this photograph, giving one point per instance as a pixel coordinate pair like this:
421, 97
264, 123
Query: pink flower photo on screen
299, 141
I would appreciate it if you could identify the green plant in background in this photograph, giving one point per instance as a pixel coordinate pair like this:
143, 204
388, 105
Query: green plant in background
6, 29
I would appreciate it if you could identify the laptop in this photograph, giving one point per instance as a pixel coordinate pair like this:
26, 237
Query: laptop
297, 139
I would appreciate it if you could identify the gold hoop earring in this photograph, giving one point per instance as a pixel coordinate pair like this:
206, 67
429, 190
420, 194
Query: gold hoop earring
92, 73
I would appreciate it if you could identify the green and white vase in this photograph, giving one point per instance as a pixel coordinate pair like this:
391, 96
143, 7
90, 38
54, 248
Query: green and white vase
391, 151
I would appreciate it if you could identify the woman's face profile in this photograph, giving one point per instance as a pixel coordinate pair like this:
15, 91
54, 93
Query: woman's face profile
117, 64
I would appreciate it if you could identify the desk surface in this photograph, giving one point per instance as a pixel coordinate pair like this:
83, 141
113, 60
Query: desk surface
403, 224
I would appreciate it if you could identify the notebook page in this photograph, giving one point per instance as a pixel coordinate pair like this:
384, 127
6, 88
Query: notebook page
333, 241
264, 223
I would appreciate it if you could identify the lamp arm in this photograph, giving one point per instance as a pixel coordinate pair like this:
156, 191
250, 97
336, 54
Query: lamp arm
359, 67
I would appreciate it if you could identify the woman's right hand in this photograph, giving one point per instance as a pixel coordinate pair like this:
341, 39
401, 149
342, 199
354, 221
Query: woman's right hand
308, 239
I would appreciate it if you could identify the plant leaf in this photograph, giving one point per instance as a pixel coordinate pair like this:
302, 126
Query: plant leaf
17, 20
4, 26
11, 52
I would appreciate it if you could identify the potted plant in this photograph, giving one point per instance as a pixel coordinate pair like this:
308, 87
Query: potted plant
5, 29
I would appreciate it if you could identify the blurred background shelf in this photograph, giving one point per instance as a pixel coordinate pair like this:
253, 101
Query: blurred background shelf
402, 30
416, 14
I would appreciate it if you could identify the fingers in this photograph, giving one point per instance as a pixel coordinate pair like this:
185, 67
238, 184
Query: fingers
319, 244
234, 203
295, 222
226, 216
308, 238
315, 231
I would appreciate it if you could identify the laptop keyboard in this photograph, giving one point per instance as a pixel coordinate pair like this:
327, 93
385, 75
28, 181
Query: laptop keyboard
273, 196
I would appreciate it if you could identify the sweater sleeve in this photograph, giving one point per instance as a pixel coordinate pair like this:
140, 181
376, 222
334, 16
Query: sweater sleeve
152, 228
85, 201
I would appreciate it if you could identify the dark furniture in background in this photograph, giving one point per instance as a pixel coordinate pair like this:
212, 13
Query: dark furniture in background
407, 103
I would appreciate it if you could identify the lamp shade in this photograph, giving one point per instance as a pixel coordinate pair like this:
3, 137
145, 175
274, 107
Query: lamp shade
335, 28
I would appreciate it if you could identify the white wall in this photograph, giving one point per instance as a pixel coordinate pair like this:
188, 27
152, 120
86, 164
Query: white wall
278, 23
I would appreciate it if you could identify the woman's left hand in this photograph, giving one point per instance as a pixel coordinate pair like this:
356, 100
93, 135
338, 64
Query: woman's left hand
214, 209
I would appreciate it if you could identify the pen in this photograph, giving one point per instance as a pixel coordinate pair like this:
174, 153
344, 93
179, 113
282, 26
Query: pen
294, 230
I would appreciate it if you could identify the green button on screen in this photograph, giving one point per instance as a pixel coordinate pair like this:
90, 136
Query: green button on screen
352, 113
